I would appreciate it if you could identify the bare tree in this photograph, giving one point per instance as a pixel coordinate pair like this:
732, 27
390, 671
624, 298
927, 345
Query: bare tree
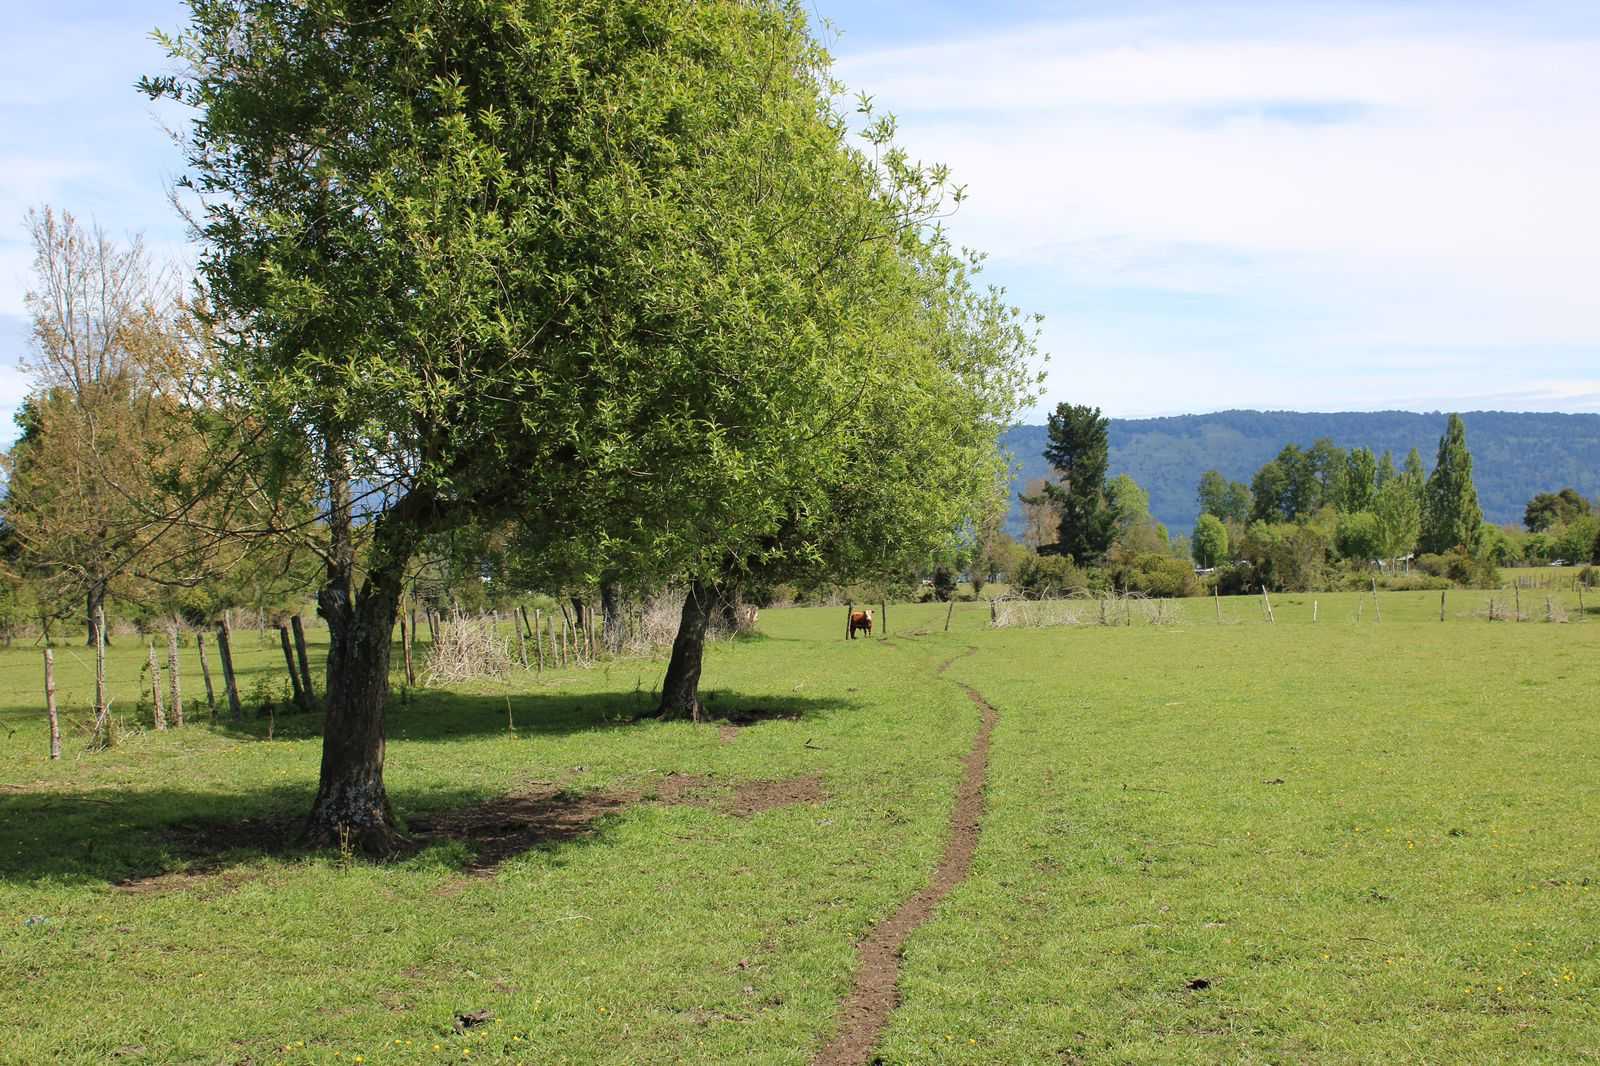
1039, 518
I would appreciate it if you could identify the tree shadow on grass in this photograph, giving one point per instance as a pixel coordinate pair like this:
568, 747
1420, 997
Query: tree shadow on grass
143, 839
440, 715
166, 839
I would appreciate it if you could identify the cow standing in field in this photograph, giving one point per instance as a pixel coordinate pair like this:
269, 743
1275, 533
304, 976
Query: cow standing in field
860, 620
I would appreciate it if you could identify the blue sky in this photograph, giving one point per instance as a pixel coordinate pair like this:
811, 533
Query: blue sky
1315, 206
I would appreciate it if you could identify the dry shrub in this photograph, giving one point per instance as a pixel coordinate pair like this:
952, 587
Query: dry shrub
469, 649
1036, 614
1163, 612
1084, 607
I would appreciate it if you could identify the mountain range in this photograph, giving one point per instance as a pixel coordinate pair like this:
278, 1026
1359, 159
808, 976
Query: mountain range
1515, 454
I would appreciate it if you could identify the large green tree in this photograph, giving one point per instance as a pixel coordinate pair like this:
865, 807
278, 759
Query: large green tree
1548, 509
1360, 485
494, 256
1079, 450
1451, 516
1210, 544
1228, 500
1398, 509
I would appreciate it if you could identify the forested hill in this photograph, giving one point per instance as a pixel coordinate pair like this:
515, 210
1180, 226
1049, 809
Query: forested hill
1514, 455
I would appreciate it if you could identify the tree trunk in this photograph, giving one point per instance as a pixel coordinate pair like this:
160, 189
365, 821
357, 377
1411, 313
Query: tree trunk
352, 806
680, 691
96, 602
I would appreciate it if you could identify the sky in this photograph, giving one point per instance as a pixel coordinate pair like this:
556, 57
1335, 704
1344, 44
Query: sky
1284, 205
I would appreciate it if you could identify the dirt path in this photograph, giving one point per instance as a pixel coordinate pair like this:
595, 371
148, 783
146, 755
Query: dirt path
876, 991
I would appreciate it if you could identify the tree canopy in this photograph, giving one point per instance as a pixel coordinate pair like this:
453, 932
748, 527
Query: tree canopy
604, 269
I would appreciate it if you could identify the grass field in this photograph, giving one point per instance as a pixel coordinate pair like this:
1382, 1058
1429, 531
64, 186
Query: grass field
1334, 842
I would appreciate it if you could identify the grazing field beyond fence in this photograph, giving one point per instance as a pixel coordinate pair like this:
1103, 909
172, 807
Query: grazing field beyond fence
1330, 840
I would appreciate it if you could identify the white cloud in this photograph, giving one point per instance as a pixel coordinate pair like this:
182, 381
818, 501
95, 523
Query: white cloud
1342, 188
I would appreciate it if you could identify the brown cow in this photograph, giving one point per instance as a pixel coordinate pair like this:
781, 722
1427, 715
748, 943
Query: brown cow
860, 620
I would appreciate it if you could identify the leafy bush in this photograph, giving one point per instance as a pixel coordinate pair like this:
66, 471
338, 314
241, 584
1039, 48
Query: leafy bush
1235, 579
1037, 576
1462, 568
1359, 538
1154, 574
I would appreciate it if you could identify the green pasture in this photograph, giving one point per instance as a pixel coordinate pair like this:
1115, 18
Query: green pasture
1340, 841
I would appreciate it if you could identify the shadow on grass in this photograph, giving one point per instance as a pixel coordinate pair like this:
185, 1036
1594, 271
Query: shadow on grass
140, 836
439, 715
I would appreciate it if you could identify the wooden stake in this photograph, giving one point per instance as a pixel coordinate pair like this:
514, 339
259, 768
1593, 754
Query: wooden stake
1517, 589
205, 671
522, 645
538, 637
1441, 604
288, 660
1377, 608
1267, 603
405, 647
50, 702
950, 611
305, 663
1313, 612
883, 606
849, 609
229, 683
102, 707
155, 690
172, 676
1216, 597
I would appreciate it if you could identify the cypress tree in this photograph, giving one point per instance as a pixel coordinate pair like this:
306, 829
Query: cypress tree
1079, 450
1451, 516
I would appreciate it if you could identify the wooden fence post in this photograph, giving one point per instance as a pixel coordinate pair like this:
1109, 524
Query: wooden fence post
849, 609
229, 683
288, 661
1266, 602
205, 671
538, 636
305, 662
1216, 598
1313, 612
948, 612
522, 644
1441, 604
50, 702
172, 676
883, 606
405, 646
155, 690
1377, 608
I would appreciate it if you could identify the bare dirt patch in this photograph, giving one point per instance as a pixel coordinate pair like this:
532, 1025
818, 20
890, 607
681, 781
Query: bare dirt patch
739, 799
753, 797
875, 992
206, 883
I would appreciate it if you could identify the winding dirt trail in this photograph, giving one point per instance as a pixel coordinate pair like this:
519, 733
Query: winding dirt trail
876, 993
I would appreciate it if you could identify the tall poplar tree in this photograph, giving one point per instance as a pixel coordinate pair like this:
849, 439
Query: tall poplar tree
1451, 516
